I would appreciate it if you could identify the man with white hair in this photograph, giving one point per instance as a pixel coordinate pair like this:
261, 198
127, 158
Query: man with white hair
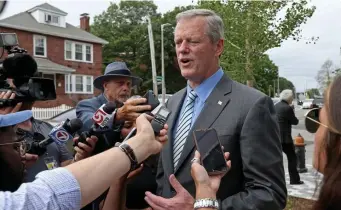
286, 117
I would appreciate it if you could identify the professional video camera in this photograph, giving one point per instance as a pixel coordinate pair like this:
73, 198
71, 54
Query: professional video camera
22, 68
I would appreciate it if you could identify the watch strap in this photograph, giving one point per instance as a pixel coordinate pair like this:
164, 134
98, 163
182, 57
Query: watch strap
131, 155
206, 203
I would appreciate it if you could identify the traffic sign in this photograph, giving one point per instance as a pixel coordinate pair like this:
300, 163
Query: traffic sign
159, 78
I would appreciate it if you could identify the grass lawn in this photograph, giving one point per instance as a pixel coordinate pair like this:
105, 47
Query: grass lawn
295, 203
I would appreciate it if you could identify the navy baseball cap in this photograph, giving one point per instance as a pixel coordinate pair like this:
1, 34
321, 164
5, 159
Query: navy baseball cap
15, 118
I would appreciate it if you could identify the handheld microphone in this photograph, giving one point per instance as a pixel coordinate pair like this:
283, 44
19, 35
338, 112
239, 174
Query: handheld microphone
63, 132
101, 119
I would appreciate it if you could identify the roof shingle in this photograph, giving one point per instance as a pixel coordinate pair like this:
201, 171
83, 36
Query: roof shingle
26, 22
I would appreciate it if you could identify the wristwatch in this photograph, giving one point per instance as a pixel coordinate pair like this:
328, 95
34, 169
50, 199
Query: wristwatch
206, 203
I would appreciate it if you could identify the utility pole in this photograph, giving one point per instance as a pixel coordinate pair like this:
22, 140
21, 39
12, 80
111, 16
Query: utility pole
274, 88
278, 84
163, 66
152, 55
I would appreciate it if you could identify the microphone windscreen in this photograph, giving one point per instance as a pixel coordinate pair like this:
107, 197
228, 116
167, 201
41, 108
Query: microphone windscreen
75, 125
109, 107
20, 65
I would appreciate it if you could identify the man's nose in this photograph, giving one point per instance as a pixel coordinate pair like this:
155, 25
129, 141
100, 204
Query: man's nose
183, 48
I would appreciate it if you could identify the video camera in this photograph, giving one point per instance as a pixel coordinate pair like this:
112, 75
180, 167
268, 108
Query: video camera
22, 68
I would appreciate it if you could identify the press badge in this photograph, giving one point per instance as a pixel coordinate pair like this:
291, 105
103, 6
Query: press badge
50, 163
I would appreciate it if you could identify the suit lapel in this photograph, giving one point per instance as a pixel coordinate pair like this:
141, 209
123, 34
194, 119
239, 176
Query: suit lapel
175, 106
214, 105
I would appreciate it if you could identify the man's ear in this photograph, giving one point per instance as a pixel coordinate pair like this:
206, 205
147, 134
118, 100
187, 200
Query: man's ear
220, 47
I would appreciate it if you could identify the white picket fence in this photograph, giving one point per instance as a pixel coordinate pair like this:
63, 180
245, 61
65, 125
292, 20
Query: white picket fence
47, 113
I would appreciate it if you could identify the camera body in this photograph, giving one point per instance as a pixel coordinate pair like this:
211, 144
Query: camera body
22, 69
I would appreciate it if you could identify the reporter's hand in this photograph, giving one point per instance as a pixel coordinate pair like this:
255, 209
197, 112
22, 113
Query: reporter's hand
145, 143
206, 186
83, 150
8, 110
29, 160
132, 110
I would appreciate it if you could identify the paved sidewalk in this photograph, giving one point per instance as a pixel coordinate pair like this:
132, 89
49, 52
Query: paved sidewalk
311, 180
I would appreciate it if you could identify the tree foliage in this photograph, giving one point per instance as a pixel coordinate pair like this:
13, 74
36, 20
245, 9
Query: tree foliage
311, 93
251, 29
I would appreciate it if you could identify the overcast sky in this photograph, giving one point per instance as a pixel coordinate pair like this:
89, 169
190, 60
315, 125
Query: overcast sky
298, 62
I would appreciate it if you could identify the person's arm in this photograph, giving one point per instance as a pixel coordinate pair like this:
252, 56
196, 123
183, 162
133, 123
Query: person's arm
116, 197
293, 119
93, 184
57, 188
84, 111
262, 158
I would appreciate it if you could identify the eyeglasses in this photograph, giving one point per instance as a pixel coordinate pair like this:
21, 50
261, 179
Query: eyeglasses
19, 146
312, 120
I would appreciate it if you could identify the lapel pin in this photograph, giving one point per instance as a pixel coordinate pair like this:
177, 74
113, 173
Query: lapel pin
220, 103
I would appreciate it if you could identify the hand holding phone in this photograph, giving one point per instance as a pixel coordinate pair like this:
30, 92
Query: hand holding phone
211, 152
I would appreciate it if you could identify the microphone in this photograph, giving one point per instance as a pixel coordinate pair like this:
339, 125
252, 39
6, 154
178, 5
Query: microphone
62, 133
101, 120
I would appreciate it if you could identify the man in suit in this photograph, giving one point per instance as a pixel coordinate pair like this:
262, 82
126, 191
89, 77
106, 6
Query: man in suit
116, 86
243, 117
286, 117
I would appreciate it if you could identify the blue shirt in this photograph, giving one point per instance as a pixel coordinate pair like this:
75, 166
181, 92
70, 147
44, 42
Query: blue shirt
54, 189
202, 91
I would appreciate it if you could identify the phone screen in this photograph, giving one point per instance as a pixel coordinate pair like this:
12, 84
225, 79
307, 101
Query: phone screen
211, 153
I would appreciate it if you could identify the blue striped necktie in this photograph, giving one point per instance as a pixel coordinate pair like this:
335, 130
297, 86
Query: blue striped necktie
183, 127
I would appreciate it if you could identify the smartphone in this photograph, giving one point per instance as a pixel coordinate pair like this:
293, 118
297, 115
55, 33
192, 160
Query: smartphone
211, 152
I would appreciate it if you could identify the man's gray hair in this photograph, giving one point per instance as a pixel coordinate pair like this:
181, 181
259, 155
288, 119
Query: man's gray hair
215, 25
286, 95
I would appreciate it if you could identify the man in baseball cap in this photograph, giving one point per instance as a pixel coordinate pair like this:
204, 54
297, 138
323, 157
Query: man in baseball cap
12, 150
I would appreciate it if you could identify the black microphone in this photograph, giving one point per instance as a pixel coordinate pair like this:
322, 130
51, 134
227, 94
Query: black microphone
63, 132
101, 120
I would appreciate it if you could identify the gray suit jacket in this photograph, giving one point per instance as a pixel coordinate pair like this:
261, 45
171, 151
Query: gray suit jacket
246, 124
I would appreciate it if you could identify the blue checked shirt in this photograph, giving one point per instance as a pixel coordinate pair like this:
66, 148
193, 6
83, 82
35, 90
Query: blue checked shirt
54, 189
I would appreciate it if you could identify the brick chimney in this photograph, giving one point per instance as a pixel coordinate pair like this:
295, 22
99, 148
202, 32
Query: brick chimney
85, 22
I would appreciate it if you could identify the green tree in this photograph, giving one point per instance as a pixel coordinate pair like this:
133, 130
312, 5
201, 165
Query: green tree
311, 93
253, 27
286, 84
124, 25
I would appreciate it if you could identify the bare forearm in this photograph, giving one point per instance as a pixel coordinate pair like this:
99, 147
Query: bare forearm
97, 173
115, 197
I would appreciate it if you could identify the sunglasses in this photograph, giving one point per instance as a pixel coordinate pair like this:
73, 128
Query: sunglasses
20, 146
312, 120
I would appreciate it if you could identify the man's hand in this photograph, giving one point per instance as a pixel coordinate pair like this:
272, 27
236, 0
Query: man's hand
29, 160
206, 186
182, 200
132, 110
8, 110
83, 150
145, 143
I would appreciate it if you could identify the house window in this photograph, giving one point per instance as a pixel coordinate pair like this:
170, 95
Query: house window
39, 46
75, 83
76, 51
55, 19
68, 50
79, 52
88, 53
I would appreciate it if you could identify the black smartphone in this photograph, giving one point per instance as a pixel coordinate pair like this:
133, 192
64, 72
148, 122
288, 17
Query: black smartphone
211, 152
